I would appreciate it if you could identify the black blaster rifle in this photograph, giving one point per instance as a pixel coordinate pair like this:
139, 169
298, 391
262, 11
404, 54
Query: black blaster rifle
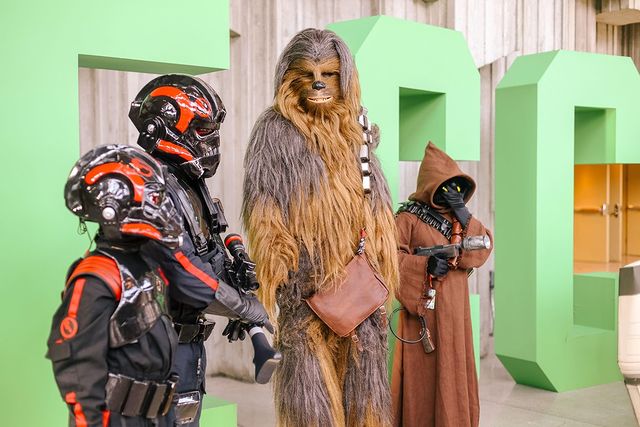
471, 243
241, 270
242, 275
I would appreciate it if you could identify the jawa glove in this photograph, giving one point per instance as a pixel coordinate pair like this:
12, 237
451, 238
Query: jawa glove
438, 265
455, 199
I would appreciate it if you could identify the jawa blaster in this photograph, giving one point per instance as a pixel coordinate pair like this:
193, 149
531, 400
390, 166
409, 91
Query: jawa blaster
471, 243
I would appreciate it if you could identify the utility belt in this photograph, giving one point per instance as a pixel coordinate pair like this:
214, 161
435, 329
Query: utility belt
134, 398
198, 332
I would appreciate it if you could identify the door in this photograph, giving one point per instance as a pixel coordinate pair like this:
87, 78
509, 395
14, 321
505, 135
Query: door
632, 210
591, 241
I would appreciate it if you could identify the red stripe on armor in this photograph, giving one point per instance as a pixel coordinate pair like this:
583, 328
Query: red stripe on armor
201, 275
104, 268
105, 418
163, 276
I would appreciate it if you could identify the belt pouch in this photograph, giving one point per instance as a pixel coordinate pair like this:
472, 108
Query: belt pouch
117, 390
186, 406
135, 400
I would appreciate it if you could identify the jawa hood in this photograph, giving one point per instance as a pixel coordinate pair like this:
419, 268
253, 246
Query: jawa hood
436, 168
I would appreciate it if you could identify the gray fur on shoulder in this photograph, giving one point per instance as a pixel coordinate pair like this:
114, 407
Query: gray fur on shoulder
278, 163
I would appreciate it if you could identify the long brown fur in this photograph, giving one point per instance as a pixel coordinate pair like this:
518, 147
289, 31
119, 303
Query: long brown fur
303, 211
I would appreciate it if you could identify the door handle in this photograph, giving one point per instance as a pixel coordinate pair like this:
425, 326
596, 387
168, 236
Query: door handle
602, 210
633, 208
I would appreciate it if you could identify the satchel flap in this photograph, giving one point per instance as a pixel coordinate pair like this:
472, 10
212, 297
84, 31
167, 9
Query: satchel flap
344, 306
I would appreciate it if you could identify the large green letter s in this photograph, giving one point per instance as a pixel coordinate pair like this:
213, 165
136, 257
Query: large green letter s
554, 329
43, 43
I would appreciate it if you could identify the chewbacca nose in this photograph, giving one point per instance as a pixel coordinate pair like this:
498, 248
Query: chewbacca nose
317, 85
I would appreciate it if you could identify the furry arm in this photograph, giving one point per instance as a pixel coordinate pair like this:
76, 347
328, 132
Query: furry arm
277, 172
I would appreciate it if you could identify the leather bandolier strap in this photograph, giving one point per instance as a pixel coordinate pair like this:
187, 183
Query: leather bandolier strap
429, 216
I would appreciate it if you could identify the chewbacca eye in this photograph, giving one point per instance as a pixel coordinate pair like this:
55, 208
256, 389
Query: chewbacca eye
329, 74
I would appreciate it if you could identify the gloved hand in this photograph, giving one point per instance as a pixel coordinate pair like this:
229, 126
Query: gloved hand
236, 329
455, 200
230, 303
438, 265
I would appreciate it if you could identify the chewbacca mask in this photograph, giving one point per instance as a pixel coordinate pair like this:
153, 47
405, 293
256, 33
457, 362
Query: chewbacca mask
303, 210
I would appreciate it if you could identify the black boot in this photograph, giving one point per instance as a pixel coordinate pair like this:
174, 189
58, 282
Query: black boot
266, 358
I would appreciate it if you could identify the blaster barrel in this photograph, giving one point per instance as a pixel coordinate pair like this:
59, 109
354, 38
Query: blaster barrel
474, 243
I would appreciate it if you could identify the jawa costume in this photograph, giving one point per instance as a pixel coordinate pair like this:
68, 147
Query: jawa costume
438, 388
311, 186
179, 118
111, 341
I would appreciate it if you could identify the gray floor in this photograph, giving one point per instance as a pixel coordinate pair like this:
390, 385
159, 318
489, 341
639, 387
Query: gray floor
503, 403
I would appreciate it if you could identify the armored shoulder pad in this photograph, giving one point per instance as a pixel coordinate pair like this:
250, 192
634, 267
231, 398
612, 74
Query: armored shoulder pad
101, 267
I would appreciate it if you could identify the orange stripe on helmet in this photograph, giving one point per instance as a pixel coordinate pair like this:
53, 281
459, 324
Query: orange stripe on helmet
171, 148
137, 181
141, 229
201, 275
189, 106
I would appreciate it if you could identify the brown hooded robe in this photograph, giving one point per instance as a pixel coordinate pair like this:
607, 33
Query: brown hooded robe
440, 388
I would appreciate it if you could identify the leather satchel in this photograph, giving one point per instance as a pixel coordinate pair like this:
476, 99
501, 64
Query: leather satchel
345, 305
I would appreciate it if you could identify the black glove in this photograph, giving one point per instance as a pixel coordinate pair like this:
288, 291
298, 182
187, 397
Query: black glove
235, 330
455, 200
438, 265
230, 303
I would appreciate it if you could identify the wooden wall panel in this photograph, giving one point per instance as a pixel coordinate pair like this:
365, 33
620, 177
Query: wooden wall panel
497, 31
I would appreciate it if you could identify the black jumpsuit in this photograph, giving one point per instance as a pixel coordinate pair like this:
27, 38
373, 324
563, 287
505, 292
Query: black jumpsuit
82, 358
193, 278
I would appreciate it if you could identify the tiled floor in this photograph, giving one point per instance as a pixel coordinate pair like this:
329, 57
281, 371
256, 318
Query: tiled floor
503, 403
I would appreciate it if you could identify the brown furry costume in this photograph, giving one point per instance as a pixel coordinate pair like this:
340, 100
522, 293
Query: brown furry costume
303, 210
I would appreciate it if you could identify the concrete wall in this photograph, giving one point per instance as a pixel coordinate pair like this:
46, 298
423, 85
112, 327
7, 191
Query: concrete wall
497, 32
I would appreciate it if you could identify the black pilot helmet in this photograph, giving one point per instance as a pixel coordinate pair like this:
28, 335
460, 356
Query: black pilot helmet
179, 117
122, 188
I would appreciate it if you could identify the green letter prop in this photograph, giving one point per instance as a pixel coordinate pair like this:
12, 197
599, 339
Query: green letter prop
43, 43
419, 83
556, 330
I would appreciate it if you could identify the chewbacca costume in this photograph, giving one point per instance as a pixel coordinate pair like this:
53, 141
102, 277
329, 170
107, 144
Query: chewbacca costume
439, 388
303, 210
